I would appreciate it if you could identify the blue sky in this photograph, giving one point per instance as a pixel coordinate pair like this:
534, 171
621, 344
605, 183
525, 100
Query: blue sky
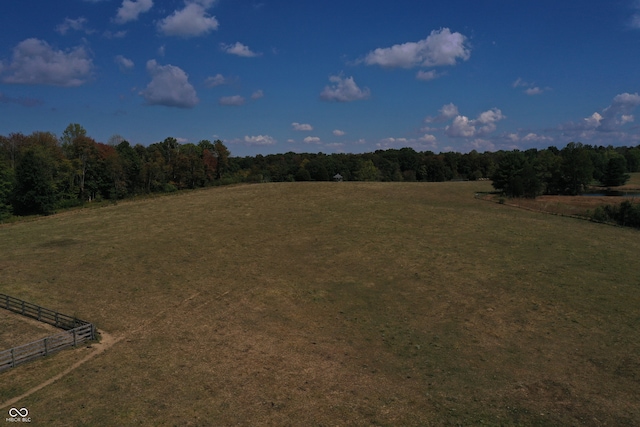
271, 76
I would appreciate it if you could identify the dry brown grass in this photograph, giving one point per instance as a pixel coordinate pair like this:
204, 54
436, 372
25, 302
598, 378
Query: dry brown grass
17, 330
332, 304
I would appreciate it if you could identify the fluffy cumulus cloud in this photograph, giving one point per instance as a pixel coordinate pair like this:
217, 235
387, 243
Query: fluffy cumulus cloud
216, 80
610, 119
78, 24
131, 9
619, 112
169, 86
343, 90
338, 132
238, 49
311, 140
447, 112
232, 101
301, 126
259, 140
257, 94
442, 47
124, 63
463, 127
36, 62
191, 21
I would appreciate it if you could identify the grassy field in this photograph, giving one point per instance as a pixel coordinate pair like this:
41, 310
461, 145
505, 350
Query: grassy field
309, 304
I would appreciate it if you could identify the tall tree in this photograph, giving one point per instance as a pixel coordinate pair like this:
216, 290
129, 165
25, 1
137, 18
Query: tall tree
6, 189
34, 191
615, 173
577, 168
221, 152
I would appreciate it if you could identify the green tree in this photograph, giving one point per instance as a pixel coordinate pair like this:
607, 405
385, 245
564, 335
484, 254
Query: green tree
71, 132
615, 173
221, 152
367, 171
35, 187
577, 168
6, 189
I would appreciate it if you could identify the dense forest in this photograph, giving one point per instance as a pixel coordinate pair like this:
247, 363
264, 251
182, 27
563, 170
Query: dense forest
41, 173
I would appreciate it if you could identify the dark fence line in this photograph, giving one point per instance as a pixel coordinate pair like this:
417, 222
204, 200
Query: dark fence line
76, 332
42, 314
25, 353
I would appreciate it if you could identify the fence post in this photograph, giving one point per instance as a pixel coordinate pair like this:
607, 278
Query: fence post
56, 319
23, 307
39, 313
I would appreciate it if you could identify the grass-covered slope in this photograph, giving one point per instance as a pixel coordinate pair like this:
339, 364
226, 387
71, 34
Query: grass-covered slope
332, 304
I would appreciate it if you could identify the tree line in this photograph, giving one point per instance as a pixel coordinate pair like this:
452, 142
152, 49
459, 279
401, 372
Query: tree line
41, 173
569, 171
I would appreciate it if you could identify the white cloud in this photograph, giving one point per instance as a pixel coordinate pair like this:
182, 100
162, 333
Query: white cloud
619, 112
447, 112
463, 127
338, 132
124, 63
301, 126
311, 140
531, 88
231, 101
427, 75
216, 80
74, 24
532, 137
36, 62
259, 140
442, 47
131, 9
610, 119
520, 83
257, 94
169, 86
344, 90
192, 21
239, 49
425, 142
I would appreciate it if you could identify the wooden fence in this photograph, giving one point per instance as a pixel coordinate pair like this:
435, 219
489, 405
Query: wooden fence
76, 332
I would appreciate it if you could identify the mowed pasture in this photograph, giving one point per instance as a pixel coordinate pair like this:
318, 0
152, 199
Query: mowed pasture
332, 304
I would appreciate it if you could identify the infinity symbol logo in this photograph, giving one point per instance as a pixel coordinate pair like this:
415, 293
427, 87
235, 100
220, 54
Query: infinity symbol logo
22, 412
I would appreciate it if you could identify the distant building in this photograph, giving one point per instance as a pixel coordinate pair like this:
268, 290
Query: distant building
337, 177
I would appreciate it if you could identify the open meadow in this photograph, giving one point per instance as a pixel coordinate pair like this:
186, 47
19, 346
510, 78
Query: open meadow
317, 304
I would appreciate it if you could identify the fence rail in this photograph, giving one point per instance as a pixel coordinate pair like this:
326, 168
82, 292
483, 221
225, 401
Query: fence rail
42, 314
76, 332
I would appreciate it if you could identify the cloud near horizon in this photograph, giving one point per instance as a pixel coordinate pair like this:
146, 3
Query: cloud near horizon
301, 126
